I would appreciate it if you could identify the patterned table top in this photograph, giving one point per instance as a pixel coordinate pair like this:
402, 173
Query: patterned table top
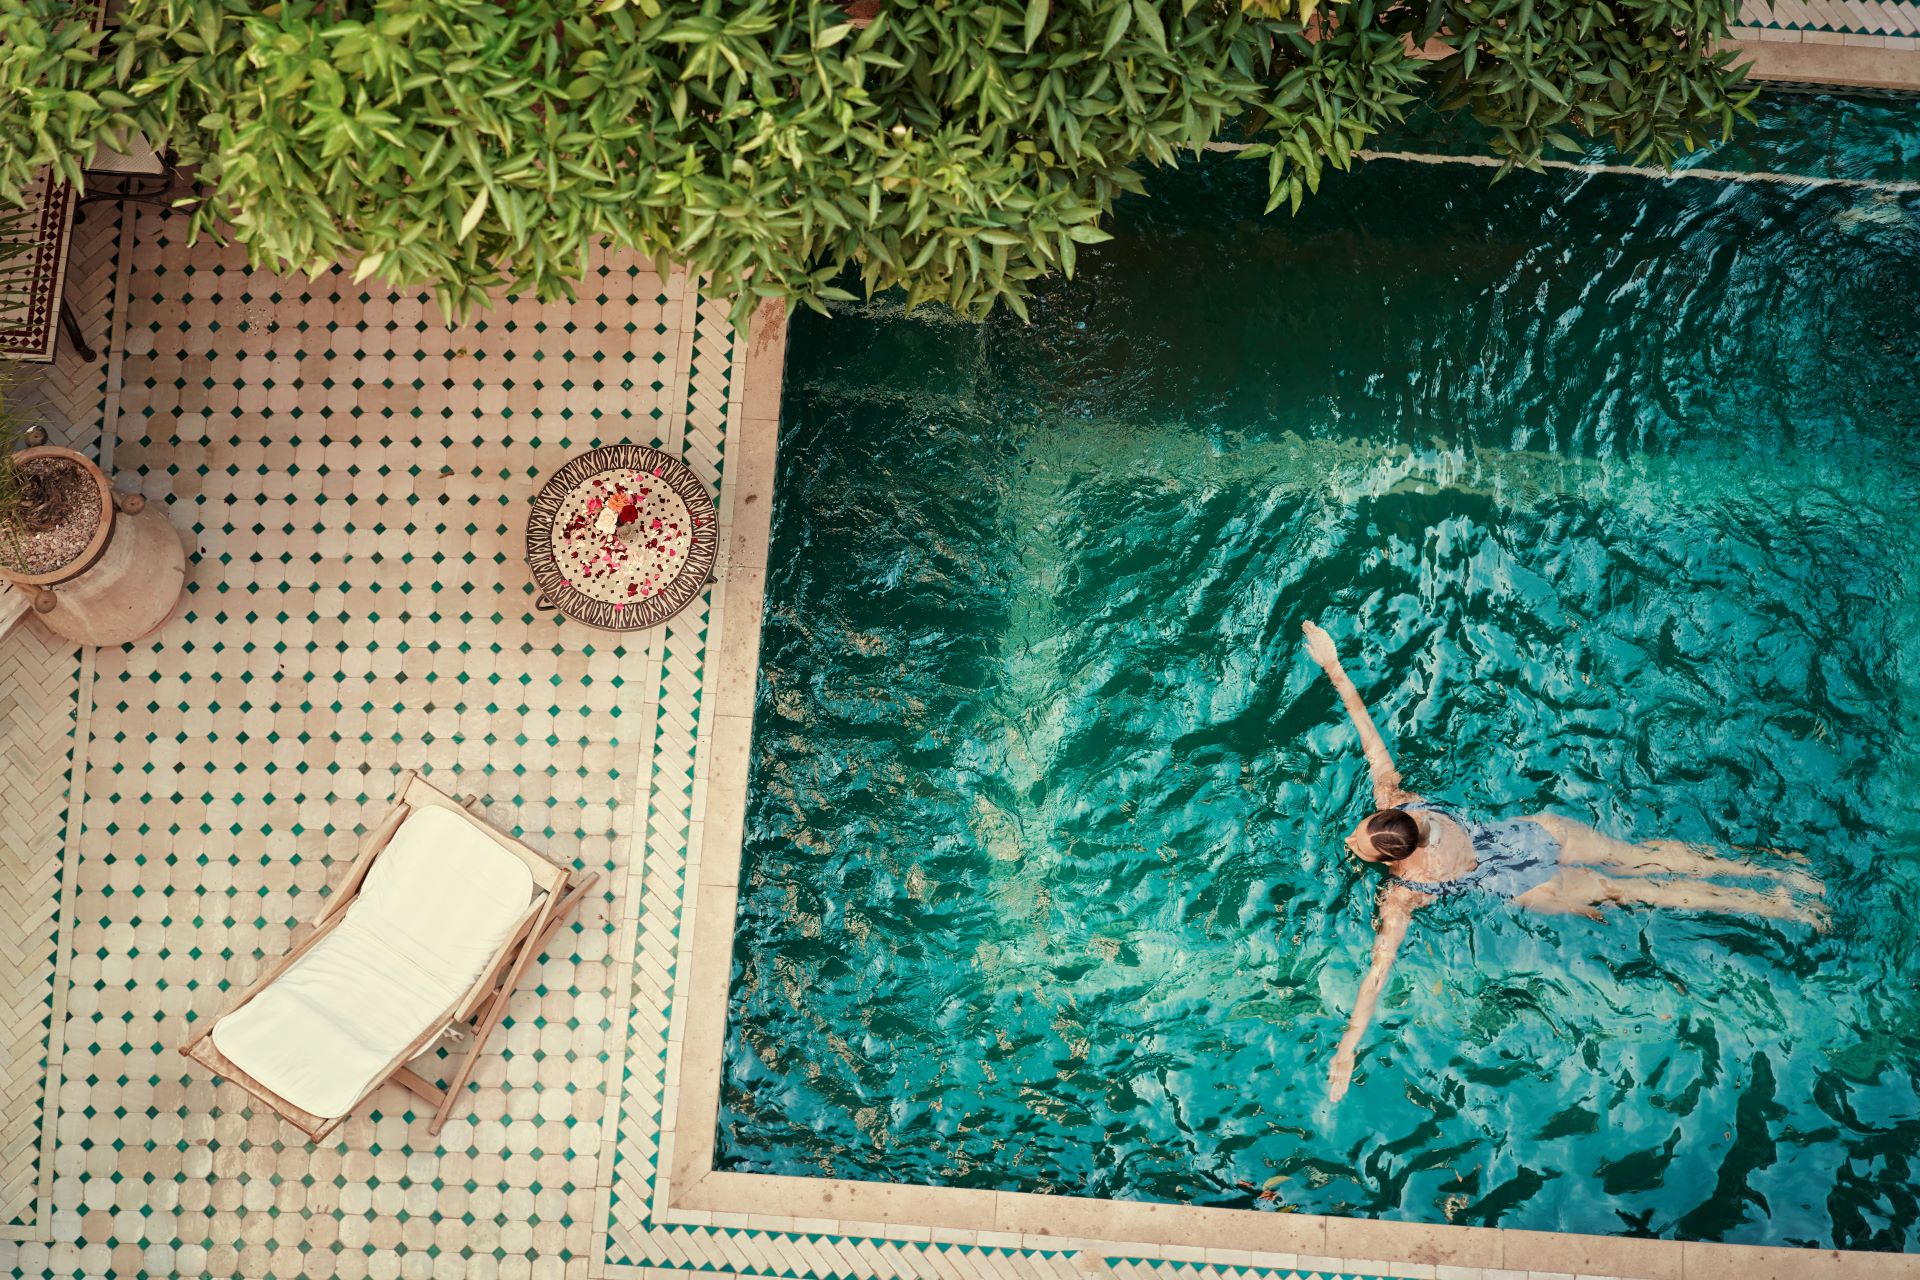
621, 538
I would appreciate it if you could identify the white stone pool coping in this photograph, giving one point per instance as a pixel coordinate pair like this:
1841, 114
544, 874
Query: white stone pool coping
1096, 1231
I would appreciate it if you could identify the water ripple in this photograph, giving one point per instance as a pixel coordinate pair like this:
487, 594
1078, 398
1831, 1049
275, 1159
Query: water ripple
1606, 487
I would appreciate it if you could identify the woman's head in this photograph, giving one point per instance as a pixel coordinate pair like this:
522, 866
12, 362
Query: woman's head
1387, 835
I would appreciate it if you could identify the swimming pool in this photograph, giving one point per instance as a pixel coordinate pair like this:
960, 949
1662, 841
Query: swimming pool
1606, 488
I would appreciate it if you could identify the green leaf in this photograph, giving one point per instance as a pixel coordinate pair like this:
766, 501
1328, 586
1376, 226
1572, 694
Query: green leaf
1149, 15
475, 212
1036, 20
1117, 26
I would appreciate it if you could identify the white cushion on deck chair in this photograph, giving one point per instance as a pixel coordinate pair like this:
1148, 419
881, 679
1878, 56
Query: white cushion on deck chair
435, 908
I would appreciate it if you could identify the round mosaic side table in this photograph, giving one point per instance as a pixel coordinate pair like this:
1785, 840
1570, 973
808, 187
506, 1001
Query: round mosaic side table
621, 538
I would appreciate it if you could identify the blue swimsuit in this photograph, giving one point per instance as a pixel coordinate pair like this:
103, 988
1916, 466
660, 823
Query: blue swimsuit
1513, 856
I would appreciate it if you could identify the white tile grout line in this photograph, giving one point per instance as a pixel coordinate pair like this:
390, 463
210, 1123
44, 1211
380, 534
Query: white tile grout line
115, 341
1627, 170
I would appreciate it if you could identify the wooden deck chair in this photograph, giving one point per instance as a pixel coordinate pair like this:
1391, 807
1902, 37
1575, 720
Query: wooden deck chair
432, 928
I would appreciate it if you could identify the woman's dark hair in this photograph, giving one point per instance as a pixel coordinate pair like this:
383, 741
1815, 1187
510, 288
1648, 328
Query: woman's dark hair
1393, 833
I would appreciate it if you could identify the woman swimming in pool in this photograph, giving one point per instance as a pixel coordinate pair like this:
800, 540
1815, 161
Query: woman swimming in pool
1542, 862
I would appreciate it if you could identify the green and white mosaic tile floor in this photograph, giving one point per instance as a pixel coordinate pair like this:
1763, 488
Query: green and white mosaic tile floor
352, 476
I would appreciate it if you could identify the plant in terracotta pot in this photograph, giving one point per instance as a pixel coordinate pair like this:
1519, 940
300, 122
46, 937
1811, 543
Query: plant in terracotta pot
103, 567
50, 506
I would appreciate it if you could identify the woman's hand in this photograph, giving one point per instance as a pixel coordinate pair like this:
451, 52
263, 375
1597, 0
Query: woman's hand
1340, 1073
1320, 647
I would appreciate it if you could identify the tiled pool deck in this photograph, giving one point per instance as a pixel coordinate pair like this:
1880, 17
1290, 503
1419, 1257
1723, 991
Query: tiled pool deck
1870, 43
1889, 25
354, 477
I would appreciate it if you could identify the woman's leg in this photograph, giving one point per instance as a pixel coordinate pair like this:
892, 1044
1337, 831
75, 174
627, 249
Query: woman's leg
1682, 858
1698, 895
1578, 890
1580, 843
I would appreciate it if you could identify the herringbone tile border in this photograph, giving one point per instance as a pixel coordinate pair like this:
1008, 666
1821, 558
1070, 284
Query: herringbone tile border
38, 686
1897, 18
656, 903
43, 720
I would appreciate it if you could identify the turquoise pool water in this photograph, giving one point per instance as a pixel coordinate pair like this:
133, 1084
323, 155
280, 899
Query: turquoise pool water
1608, 490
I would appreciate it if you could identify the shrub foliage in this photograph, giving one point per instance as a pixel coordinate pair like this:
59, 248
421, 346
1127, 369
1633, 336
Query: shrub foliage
955, 148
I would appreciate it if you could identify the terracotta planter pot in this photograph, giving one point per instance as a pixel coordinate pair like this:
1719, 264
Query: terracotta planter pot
127, 579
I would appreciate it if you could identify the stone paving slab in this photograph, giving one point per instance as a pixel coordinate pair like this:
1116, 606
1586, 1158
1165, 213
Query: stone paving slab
1841, 43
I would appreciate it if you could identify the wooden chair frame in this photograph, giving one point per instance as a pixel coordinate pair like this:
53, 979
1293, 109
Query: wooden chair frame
557, 891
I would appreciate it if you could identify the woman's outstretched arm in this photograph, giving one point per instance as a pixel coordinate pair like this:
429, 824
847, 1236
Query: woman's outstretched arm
1397, 906
1387, 790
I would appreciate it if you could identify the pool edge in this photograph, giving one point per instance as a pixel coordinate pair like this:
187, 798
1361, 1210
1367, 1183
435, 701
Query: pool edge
1829, 60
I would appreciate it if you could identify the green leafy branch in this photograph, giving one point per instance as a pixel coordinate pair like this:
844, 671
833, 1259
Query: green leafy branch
956, 149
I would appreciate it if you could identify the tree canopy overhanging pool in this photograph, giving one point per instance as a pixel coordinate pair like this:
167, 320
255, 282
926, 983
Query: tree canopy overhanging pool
1605, 486
959, 149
